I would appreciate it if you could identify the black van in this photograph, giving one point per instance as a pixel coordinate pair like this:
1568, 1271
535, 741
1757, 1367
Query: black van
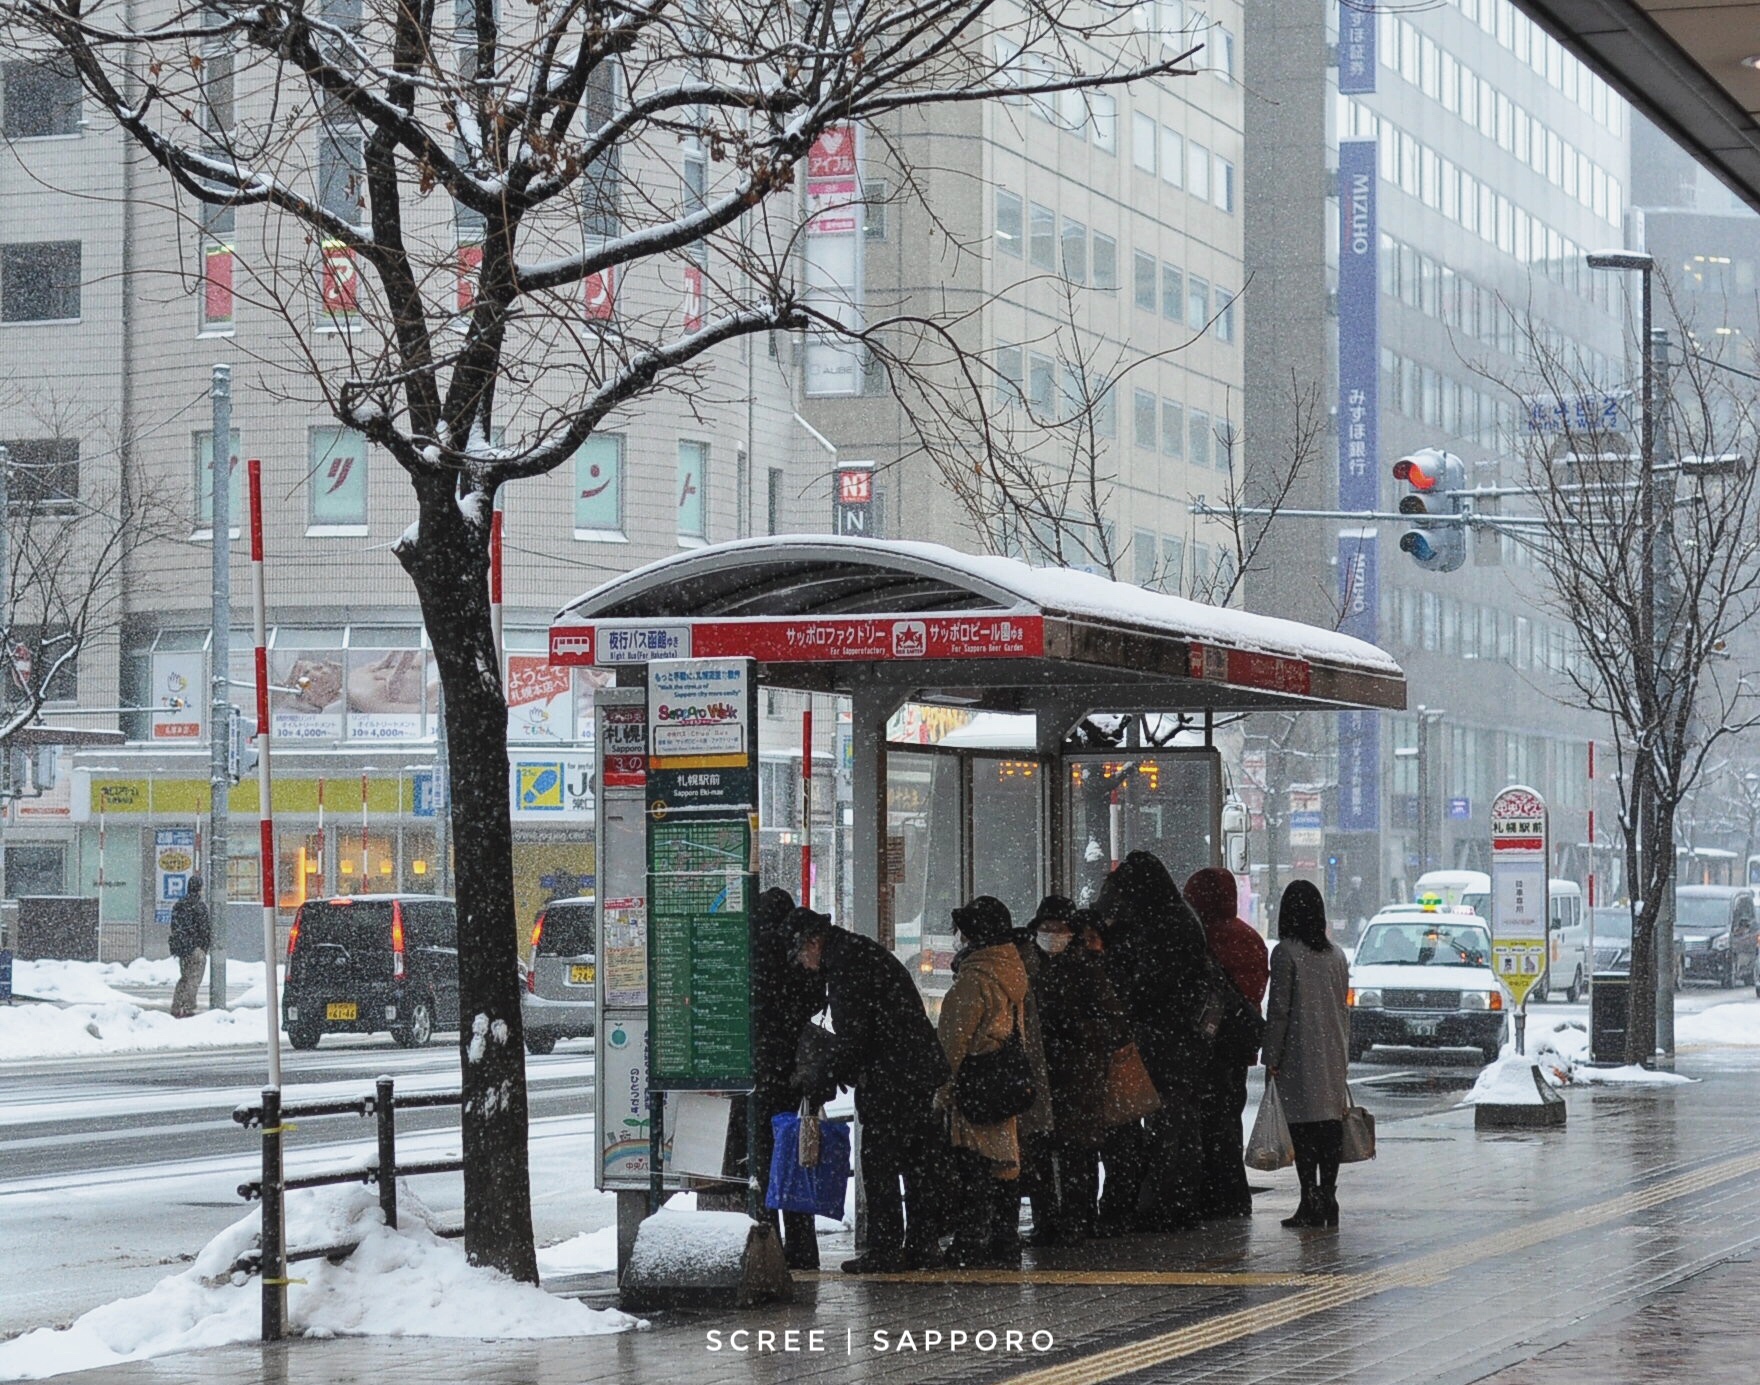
362, 963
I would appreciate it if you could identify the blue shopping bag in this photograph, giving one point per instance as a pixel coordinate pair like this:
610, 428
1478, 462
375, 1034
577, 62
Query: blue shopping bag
819, 1189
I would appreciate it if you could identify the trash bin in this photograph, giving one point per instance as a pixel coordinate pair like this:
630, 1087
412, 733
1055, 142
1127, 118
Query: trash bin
1610, 1016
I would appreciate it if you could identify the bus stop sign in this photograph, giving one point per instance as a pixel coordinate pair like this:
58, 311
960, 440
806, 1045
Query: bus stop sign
1518, 889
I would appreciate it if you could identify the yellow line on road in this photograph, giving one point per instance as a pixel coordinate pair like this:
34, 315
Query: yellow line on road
1424, 1270
1199, 1279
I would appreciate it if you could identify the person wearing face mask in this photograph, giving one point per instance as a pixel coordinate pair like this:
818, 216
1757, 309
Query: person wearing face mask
1082, 1023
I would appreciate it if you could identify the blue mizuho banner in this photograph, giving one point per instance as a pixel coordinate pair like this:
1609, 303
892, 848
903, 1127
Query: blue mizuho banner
1359, 733
1359, 337
1356, 47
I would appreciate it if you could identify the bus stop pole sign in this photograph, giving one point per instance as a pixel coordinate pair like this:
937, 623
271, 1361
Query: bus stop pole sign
1518, 895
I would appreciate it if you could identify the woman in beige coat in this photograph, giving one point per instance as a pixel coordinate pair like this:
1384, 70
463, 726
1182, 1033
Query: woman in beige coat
982, 1008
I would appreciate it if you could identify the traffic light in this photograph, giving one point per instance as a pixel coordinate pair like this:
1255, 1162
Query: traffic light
1438, 486
241, 750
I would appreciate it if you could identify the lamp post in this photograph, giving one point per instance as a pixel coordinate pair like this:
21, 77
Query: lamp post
1646, 652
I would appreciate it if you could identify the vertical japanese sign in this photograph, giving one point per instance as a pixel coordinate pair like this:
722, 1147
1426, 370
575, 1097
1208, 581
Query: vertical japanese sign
833, 256
1356, 47
702, 806
1518, 889
1359, 732
341, 281
852, 506
174, 857
1359, 364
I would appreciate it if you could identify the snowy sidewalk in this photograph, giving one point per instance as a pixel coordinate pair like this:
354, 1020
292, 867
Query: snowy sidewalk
75, 1009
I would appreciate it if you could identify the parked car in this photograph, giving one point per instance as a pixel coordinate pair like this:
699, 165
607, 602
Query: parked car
1567, 962
1613, 939
1422, 978
561, 979
359, 964
1714, 927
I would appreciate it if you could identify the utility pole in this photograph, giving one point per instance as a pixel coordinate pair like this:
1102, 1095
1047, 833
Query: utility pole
219, 677
1663, 619
1429, 834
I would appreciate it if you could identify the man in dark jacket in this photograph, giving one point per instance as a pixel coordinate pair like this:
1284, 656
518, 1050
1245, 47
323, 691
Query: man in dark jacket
784, 1000
1240, 951
191, 937
888, 1051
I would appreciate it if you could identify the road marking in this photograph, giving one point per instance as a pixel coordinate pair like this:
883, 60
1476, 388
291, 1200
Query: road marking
1197, 1279
1420, 1272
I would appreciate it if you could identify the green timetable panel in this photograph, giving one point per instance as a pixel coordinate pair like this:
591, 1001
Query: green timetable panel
699, 951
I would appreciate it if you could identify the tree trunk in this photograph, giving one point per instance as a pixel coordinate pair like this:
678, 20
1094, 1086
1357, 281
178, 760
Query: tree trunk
449, 565
1643, 867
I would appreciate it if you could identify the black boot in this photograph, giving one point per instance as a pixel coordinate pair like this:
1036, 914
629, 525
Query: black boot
1326, 1212
1307, 1212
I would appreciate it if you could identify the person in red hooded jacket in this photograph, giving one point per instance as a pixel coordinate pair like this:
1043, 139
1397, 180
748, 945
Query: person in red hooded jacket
1222, 1097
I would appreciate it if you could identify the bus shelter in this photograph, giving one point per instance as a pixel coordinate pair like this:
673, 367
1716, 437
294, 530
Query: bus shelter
1103, 695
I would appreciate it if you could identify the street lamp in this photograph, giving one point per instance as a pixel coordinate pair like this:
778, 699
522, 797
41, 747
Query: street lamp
1645, 264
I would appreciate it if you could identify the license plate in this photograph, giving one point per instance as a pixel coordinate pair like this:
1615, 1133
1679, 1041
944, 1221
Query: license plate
342, 1010
1421, 1028
582, 974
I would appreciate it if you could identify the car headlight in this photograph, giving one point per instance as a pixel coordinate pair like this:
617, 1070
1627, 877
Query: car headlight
1364, 1000
1475, 1000
1721, 942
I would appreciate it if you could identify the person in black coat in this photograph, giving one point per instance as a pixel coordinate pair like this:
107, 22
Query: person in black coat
1161, 968
191, 936
784, 1000
887, 1050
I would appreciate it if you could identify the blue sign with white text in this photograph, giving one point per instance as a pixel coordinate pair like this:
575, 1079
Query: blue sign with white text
1356, 47
1359, 733
1460, 808
1359, 336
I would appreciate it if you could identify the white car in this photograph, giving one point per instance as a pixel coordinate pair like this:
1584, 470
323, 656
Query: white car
1422, 979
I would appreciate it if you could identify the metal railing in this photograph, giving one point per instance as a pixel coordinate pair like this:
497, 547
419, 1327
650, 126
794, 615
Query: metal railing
274, 1119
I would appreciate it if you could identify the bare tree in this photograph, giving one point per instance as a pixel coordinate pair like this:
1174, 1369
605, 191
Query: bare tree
1655, 653
459, 179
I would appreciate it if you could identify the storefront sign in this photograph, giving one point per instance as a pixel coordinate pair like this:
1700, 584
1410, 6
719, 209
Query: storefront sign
786, 640
385, 690
174, 857
1356, 49
180, 695
552, 788
852, 508
540, 699
312, 709
1359, 733
623, 743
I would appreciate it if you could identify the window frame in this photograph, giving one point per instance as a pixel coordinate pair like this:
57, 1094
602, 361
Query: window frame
619, 533
57, 291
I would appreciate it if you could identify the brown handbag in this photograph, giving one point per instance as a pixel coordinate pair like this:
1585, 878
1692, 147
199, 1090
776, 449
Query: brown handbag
1130, 1091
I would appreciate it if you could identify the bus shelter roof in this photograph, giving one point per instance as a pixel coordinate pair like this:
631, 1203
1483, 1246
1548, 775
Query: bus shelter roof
828, 614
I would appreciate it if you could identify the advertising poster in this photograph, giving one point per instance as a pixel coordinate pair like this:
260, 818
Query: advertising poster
623, 952
623, 1103
312, 710
385, 689
552, 788
540, 700
697, 707
833, 255
180, 688
174, 857
588, 681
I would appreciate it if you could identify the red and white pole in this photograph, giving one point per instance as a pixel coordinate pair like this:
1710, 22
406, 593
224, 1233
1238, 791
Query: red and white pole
807, 808
1591, 824
320, 890
364, 885
265, 809
495, 608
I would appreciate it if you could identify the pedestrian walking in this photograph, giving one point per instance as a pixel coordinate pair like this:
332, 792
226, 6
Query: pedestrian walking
191, 937
1161, 968
1240, 952
1083, 1024
887, 1050
784, 1000
983, 1011
1307, 1047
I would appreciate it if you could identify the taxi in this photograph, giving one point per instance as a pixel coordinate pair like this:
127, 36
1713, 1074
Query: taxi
1422, 978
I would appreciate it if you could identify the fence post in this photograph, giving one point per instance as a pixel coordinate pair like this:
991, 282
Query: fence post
385, 1113
274, 1248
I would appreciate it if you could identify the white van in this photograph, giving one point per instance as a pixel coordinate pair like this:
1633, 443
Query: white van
1469, 887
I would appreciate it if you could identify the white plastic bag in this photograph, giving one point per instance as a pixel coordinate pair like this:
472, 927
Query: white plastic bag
1270, 1147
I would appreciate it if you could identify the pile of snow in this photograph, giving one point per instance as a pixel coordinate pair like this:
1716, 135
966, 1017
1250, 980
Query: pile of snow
99, 983
48, 1031
1509, 1082
1560, 1049
587, 1252
1735, 1025
403, 1283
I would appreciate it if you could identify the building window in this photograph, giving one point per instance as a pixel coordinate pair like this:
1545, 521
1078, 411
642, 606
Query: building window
1145, 552
1222, 184
39, 281
1143, 142
1198, 171
1200, 449
342, 166
1225, 324
1008, 374
336, 462
1103, 110
1106, 410
1042, 247
772, 500
1172, 293
1197, 303
1173, 564
42, 100
694, 172
203, 447
1143, 280
693, 482
1143, 418
1075, 251
1105, 266
1173, 157
598, 487
1041, 384
42, 473
1173, 429
1008, 224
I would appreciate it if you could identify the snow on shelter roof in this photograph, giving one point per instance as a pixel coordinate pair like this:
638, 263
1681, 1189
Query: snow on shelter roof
818, 606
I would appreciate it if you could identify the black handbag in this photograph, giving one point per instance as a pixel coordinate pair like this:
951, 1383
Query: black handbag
989, 1088
1242, 1030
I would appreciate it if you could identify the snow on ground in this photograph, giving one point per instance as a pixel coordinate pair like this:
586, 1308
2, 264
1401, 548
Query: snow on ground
1560, 1049
1733, 1025
87, 1012
403, 1283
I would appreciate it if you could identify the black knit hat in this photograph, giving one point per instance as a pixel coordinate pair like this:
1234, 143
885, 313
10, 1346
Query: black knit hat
984, 920
1053, 907
804, 924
